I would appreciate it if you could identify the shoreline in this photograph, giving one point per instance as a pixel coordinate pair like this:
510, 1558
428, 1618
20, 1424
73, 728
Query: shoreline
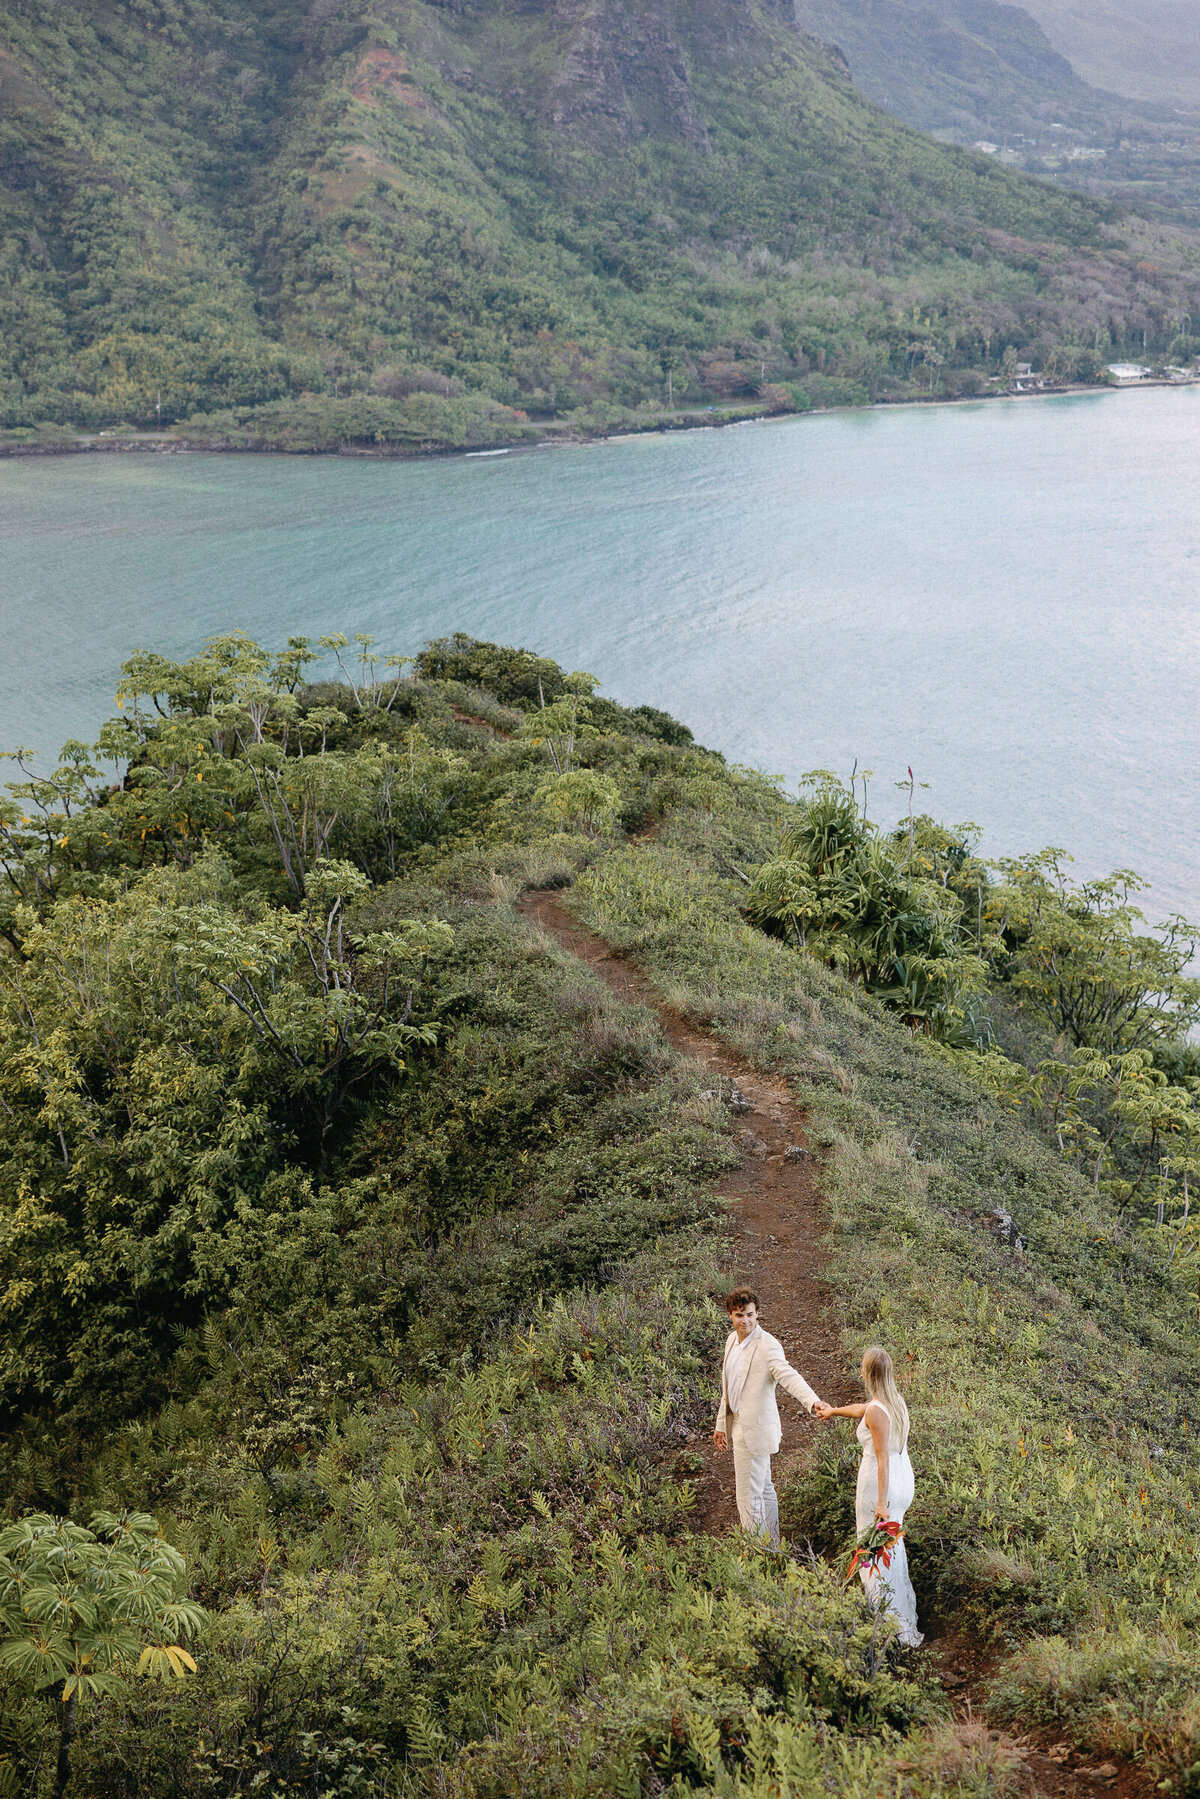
165, 443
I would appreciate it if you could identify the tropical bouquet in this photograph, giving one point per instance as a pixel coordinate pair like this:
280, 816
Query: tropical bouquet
873, 1548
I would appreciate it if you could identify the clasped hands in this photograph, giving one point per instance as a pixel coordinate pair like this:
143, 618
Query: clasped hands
820, 1410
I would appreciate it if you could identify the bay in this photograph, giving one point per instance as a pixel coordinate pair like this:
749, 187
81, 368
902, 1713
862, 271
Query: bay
1005, 596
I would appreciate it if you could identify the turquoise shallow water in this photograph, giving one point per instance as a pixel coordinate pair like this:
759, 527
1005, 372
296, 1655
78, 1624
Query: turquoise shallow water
1005, 596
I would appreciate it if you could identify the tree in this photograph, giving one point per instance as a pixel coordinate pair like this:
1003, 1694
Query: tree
515, 677
377, 683
326, 1009
231, 720
37, 821
560, 725
1078, 959
947, 855
408, 790
82, 1609
223, 749
583, 799
167, 1048
849, 896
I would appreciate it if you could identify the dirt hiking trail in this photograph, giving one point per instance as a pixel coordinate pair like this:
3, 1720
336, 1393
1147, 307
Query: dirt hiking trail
775, 1218
776, 1224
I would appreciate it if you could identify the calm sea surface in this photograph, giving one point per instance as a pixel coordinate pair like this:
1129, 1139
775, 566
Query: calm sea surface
1005, 596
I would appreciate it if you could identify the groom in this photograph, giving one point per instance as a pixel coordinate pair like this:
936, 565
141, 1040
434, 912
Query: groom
754, 1365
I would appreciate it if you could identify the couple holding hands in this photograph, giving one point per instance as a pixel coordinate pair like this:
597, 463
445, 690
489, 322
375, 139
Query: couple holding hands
748, 1422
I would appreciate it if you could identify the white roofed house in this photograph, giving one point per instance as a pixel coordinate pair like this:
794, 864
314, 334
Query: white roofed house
1126, 373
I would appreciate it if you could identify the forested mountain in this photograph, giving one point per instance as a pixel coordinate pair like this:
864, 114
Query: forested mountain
423, 213
1148, 49
980, 61
980, 70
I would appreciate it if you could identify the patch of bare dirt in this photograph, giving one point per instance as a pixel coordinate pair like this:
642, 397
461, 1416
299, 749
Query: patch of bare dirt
481, 724
1045, 1765
385, 73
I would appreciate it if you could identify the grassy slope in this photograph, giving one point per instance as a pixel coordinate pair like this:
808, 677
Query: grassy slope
223, 205
427, 1466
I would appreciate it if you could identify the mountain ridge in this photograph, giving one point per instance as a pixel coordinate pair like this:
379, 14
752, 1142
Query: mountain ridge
1147, 50
365, 1250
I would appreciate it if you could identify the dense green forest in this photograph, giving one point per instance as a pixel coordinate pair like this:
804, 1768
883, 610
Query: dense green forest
359, 1254
414, 222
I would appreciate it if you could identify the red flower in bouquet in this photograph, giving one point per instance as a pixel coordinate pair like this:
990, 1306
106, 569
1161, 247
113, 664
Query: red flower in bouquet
874, 1547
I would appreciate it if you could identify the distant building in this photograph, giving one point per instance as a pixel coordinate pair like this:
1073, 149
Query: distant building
988, 149
1125, 373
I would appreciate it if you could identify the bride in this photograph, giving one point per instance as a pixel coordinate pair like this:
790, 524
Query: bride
885, 1485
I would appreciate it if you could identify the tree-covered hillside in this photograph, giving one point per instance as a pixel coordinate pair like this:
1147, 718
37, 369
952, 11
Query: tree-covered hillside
359, 1251
424, 214
972, 71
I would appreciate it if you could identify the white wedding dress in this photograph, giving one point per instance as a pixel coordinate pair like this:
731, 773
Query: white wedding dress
888, 1587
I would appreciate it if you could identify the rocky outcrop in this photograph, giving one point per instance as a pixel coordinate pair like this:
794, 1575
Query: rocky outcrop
623, 75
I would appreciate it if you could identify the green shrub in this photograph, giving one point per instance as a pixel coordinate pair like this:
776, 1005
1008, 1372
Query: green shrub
865, 905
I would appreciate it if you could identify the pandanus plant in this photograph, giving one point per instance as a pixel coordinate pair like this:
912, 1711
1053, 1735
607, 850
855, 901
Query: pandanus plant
849, 896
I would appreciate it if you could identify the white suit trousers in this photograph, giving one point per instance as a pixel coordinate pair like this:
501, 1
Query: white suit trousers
758, 1506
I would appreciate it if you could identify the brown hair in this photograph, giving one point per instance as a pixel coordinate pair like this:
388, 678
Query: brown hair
740, 1298
879, 1378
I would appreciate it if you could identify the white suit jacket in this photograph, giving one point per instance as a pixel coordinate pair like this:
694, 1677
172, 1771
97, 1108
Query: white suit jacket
757, 1412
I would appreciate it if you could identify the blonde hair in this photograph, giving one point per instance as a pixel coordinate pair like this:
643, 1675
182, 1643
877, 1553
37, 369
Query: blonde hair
879, 1378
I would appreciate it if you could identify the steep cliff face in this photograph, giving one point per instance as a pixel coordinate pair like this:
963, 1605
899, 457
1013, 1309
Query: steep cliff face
612, 73
553, 202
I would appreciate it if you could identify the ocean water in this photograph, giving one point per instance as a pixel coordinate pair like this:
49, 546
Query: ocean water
1005, 596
